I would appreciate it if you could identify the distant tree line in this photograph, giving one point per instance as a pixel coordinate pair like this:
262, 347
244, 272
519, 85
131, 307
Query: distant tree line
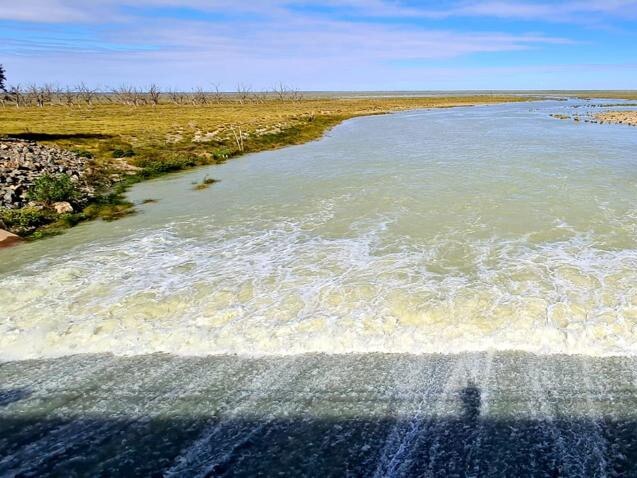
48, 94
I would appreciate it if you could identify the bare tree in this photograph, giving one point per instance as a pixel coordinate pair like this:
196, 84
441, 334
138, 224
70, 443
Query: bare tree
35, 96
280, 92
217, 95
56, 95
68, 96
17, 95
86, 93
238, 137
122, 94
138, 97
199, 96
243, 93
286, 93
153, 94
260, 96
39, 95
176, 97
128, 95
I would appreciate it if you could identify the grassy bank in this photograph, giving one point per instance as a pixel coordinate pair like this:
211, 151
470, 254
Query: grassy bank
128, 144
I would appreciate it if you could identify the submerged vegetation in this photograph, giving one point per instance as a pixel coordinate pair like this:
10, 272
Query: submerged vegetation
205, 183
128, 141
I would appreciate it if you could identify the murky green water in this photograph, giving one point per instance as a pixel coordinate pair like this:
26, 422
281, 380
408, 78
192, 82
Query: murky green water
468, 229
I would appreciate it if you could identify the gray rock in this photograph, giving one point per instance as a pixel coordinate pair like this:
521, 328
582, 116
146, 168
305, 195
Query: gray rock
22, 162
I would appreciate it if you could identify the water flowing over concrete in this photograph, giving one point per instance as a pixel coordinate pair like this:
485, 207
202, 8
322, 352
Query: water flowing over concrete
319, 415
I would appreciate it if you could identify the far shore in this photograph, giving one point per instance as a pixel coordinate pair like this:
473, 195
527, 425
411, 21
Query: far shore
618, 117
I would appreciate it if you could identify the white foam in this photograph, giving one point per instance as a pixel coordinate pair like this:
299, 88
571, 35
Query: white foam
283, 290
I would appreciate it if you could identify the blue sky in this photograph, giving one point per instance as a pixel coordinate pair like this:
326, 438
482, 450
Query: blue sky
323, 45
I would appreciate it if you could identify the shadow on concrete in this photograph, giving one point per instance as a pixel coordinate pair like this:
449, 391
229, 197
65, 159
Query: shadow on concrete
212, 445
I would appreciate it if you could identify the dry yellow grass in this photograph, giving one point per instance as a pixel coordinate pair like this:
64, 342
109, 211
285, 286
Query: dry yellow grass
618, 117
200, 130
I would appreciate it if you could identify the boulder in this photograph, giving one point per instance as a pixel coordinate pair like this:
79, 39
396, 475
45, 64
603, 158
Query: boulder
7, 239
62, 207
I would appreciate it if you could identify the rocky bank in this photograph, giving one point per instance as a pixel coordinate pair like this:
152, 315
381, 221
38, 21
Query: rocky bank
22, 162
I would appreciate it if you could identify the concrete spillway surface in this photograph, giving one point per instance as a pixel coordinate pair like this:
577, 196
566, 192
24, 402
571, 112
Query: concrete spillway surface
318, 415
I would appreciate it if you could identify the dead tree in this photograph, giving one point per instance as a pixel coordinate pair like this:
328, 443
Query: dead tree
86, 93
286, 93
32, 95
17, 95
153, 94
243, 93
138, 97
238, 138
39, 95
260, 96
56, 95
68, 96
296, 95
128, 95
122, 95
176, 97
280, 92
199, 97
217, 95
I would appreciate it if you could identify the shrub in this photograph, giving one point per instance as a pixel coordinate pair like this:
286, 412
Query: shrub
123, 153
49, 189
221, 154
157, 166
83, 154
26, 220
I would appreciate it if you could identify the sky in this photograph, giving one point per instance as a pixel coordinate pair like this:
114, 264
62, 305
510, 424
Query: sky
331, 45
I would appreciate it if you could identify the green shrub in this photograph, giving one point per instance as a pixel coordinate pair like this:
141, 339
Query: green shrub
123, 153
83, 154
26, 220
49, 189
221, 154
158, 166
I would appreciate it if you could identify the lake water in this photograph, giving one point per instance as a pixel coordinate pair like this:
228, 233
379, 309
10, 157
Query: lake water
450, 230
431, 293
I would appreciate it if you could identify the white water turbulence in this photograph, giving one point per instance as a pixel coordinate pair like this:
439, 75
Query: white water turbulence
453, 230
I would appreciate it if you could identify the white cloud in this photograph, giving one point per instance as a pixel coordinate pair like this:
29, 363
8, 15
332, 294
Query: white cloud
264, 42
51, 11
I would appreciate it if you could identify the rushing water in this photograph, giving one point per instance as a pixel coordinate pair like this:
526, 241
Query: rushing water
452, 230
378, 288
